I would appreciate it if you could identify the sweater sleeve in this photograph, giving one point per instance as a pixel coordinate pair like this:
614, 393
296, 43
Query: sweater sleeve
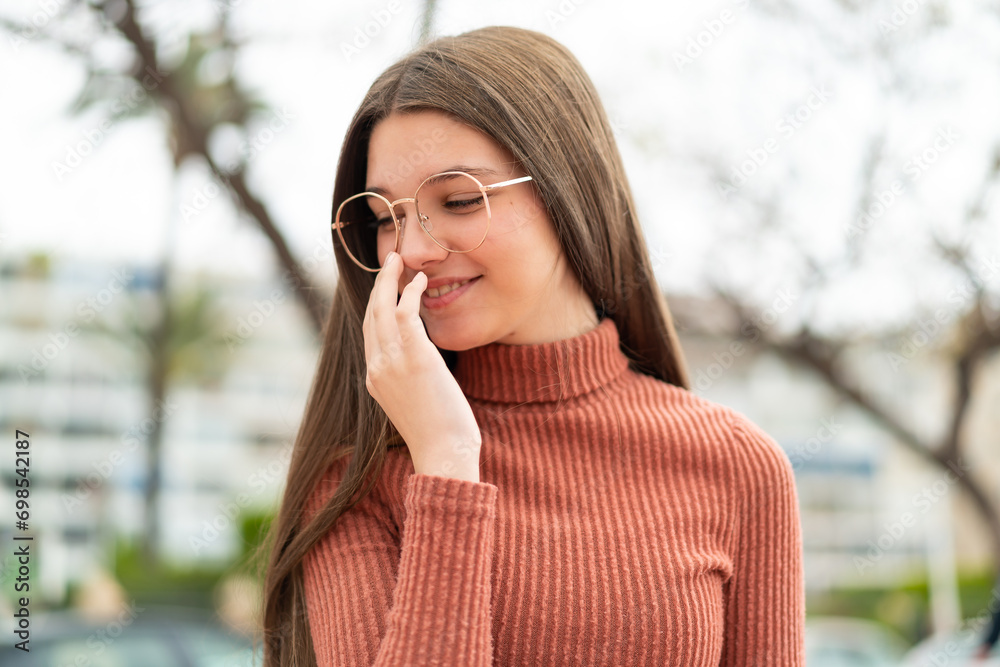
424, 597
765, 597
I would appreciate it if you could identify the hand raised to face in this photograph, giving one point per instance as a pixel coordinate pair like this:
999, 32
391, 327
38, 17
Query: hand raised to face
408, 377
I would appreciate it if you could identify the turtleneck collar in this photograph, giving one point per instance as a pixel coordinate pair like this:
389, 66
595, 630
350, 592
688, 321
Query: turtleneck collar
553, 371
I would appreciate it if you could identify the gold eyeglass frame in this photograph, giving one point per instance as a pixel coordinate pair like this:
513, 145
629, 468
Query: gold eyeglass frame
484, 189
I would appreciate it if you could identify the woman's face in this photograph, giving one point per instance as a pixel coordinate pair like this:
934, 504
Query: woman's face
522, 290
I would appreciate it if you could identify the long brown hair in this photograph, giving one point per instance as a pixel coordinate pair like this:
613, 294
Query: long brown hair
528, 93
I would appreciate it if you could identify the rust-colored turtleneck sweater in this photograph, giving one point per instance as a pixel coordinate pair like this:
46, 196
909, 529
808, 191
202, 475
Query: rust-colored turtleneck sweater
619, 520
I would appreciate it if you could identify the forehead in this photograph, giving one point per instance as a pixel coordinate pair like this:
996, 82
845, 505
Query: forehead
404, 149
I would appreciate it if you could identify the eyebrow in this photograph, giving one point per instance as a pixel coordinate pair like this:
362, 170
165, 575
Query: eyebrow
478, 172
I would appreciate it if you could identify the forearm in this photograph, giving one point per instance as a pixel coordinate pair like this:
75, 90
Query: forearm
442, 602
457, 458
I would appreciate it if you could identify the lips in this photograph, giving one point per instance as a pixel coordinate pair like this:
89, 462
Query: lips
443, 294
444, 289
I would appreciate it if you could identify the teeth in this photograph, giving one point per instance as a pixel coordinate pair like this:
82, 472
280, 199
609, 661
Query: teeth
444, 289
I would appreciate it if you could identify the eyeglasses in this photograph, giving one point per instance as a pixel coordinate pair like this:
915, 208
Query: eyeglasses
452, 207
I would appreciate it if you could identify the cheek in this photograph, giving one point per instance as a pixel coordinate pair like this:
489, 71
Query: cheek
384, 244
534, 235
523, 224
522, 260
526, 213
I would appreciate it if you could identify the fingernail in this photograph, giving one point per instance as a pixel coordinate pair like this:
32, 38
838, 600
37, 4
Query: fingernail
390, 257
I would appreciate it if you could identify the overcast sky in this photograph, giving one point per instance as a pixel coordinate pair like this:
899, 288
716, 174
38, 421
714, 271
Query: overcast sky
695, 90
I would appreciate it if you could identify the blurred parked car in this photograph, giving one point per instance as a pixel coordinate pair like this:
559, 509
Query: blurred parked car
833, 641
954, 649
153, 637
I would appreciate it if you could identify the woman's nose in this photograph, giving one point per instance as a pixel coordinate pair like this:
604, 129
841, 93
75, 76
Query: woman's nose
416, 247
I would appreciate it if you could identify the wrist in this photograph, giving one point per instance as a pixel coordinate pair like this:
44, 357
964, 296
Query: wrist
450, 456
467, 470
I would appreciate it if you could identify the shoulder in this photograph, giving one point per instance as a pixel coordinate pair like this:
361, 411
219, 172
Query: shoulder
714, 432
386, 493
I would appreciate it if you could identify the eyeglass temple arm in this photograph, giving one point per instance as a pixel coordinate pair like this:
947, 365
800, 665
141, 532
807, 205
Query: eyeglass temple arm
510, 182
513, 181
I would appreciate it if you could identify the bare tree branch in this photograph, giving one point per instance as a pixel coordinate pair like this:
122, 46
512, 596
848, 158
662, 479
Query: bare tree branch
192, 138
427, 20
978, 334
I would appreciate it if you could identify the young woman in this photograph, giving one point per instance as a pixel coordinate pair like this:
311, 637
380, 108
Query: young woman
500, 461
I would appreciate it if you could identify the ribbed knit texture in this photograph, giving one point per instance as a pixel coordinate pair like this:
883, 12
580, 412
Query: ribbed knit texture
619, 521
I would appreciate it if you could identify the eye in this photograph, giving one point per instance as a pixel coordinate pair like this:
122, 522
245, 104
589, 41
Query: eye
463, 202
380, 223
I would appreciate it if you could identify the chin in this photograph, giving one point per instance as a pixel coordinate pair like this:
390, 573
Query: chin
454, 335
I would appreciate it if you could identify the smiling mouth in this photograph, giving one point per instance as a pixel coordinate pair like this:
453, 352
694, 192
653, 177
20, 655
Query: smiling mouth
444, 295
444, 289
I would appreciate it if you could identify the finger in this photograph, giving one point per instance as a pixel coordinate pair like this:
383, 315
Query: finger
408, 311
384, 298
368, 328
369, 339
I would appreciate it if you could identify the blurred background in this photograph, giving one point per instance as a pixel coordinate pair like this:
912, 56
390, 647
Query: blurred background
817, 182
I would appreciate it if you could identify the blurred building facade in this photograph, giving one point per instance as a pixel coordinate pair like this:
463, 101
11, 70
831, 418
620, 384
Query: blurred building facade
873, 514
74, 375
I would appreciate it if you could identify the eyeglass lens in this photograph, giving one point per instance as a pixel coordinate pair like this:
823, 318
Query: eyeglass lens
451, 208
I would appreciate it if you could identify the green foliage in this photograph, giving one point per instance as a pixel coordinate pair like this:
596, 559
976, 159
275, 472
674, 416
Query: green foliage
905, 609
204, 75
39, 265
170, 584
197, 338
165, 584
253, 530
